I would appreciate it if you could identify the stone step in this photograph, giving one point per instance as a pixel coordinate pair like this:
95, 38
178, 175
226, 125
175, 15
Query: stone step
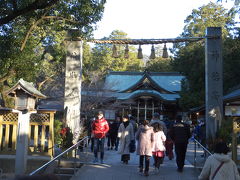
64, 176
69, 164
65, 170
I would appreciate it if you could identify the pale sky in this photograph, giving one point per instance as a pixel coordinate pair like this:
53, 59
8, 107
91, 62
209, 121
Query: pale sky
147, 19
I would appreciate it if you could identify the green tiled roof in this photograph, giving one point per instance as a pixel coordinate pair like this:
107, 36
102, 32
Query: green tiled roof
119, 81
232, 95
167, 97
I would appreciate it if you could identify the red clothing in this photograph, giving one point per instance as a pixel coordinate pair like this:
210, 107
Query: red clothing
169, 148
158, 153
100, 128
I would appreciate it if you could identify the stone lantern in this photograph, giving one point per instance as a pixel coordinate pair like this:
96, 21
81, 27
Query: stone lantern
25, 95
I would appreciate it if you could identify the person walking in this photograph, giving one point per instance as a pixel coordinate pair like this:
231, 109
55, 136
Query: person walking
158, 145
145, 138
219, 166
180, 133
169, 146
110, 136
100, 128
115, 126
125, 135
91, 138
156, 118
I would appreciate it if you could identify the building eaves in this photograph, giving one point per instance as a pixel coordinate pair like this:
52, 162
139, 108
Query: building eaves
28, 88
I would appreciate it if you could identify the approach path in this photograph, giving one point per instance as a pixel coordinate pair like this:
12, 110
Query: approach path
113, 169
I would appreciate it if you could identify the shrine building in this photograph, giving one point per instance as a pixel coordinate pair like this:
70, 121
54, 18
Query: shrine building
141, 94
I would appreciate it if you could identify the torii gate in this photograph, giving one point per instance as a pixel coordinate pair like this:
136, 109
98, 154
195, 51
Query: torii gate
213, 76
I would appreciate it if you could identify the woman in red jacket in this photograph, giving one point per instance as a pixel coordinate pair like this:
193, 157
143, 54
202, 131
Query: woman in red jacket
99, 130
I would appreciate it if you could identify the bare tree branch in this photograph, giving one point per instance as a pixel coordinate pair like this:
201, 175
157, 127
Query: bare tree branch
40, 84
38, 4
39, 21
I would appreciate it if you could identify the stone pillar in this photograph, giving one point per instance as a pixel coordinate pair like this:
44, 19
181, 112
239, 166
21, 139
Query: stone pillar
73, 75
22, 142
213, 81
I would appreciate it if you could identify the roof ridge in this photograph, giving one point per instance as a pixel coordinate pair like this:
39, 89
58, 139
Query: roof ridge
142, 72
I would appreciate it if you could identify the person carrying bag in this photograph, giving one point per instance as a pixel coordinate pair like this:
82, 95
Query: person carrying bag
132, 146
217, 170
226, 170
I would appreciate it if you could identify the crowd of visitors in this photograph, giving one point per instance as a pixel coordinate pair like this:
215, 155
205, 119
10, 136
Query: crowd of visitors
156, 139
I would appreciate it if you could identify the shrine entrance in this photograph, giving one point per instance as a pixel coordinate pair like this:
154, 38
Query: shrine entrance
213, 75
148, 105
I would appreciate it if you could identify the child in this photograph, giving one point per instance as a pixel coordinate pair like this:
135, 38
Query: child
145, 138
158, 145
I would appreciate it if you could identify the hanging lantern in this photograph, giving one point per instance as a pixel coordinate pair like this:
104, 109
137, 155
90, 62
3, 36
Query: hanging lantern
140, 55
165, 53
126, 55
114, 52
152, 55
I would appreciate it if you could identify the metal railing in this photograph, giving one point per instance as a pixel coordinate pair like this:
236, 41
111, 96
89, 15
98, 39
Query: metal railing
73, 147
206, 151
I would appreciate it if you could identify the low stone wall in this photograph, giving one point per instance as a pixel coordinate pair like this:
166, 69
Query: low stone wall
7, 164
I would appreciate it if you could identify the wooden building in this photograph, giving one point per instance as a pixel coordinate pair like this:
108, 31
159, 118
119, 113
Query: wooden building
141, 94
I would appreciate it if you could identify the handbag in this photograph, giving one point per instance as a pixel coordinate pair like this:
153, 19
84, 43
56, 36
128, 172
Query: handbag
214, 174
132, 146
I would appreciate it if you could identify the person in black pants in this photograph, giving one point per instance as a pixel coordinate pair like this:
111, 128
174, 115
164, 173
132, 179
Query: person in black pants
115, 127
180, 133
111, 138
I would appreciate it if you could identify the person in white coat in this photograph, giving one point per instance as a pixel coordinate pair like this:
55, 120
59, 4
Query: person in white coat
125, 135
219, 166
158, 145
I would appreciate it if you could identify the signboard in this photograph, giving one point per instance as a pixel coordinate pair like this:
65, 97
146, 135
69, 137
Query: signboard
232, 110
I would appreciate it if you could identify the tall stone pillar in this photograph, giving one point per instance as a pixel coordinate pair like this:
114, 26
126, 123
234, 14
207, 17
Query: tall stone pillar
73, 75
213, 81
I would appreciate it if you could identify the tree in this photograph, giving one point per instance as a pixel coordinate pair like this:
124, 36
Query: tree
190, 57
190, 62
11, 10
210, 15
236, 2
97, 62
102, 60
32, 36
231, 65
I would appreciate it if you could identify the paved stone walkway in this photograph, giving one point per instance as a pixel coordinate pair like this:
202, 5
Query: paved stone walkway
113, 169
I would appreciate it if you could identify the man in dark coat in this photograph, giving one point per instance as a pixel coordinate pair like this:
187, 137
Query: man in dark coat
180, 133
